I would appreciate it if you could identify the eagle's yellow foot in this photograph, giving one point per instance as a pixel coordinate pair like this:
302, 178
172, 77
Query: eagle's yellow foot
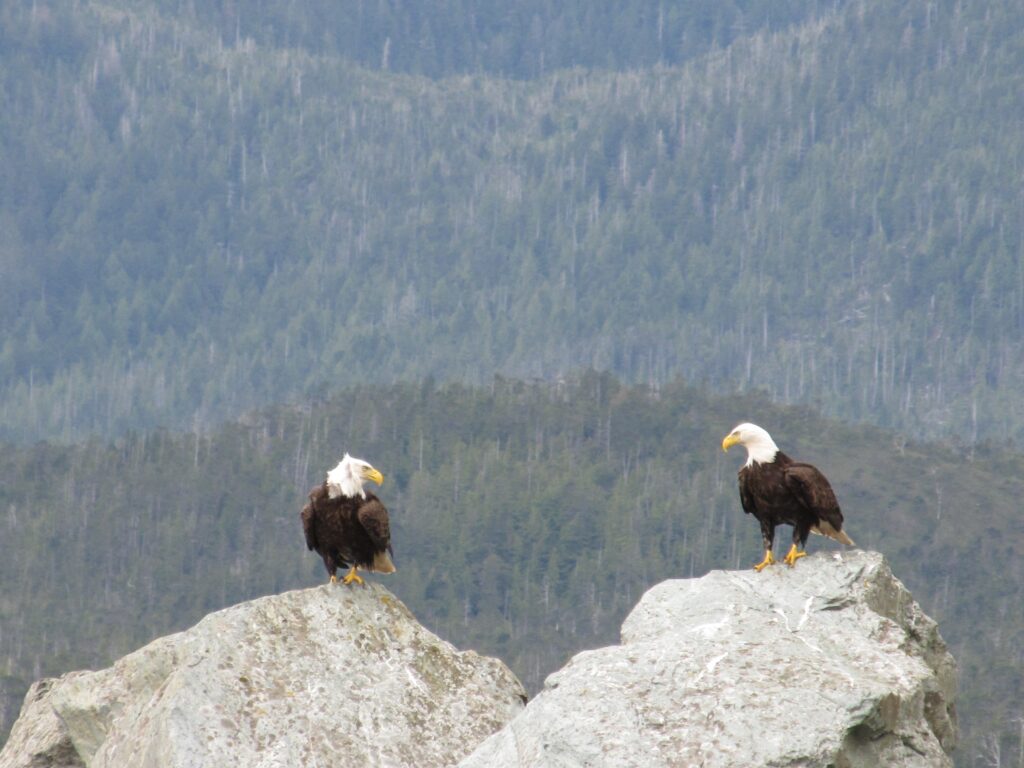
792, 556
334, 579
769, 559
352, 576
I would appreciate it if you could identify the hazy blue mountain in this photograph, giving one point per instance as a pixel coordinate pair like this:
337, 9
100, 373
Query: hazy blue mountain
208, 207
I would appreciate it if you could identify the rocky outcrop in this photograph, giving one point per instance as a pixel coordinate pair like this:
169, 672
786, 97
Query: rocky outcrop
830, 663
324, 676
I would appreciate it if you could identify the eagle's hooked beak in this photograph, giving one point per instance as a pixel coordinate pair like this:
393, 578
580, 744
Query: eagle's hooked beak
729, 441
373, 474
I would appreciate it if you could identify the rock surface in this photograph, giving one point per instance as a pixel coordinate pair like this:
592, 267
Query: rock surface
830, 663
324, 676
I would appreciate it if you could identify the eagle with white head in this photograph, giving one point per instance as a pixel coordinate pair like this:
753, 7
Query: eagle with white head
779, 491
347, 525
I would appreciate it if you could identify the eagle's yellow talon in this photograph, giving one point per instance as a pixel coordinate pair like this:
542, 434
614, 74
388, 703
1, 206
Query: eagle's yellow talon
793, 555
352, 576
769, 559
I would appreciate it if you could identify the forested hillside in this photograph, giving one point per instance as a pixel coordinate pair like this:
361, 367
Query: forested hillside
209, 207
527, 520
525, 39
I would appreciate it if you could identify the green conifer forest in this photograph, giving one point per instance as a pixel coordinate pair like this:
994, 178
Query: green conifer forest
208, 209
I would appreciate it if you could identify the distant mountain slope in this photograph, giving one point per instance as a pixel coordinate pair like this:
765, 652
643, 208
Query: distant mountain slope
527, 520
191, 226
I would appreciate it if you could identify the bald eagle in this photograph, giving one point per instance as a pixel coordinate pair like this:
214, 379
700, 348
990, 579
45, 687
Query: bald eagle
346, 525
777, 490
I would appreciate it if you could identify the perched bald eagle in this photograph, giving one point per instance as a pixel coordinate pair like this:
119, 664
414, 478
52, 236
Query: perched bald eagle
346, 525
777, 490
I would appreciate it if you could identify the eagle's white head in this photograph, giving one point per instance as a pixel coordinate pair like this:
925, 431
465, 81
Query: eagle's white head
761, 449
347, 478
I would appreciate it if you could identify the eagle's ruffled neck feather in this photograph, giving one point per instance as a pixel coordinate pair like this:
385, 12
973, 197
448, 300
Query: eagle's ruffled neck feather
345, 480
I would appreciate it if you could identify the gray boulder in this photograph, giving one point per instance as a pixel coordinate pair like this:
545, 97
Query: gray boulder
830, 663
324, 676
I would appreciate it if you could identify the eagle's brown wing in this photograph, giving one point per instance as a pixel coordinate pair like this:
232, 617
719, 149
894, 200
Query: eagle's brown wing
746, 498
373, 516
812, 488
308, 527
309, 513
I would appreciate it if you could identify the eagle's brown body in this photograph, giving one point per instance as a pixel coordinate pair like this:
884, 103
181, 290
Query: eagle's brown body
787, 492
348, 531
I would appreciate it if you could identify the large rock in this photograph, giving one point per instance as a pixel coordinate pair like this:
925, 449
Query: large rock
325, 676
830, 663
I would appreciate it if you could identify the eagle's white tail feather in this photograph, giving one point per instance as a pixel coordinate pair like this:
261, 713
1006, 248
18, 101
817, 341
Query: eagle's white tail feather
824, 529
382, 563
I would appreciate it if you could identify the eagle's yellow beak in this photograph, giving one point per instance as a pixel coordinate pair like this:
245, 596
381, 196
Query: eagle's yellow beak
729, 441
373, 474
